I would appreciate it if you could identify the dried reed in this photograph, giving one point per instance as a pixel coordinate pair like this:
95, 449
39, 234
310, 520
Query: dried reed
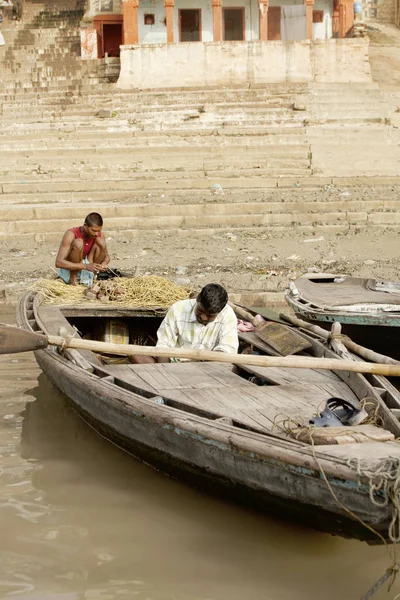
135, 292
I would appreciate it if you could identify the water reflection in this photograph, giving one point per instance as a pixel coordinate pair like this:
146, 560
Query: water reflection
79, 519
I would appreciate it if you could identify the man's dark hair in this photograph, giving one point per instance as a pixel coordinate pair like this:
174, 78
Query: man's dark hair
94, 219
213, 298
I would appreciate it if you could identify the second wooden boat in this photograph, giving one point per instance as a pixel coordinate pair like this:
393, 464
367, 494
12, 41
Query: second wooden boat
368, 309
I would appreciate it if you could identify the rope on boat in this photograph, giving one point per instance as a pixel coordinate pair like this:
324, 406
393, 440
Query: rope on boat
384, 483
390, 573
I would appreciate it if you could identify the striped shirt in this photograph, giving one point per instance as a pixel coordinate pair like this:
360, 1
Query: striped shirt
180, 329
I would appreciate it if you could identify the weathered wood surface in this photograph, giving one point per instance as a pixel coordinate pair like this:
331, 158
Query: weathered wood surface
279, 376
50, 319
215, 388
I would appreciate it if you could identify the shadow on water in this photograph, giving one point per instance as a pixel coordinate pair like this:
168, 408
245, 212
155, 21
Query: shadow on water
80, 519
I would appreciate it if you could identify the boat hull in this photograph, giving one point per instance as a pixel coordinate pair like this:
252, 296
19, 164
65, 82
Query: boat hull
274, 486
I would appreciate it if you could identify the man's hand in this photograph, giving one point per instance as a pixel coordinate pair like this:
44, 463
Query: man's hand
94, 268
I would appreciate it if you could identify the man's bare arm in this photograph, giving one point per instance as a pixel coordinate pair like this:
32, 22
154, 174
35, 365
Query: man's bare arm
106, 260
62, 261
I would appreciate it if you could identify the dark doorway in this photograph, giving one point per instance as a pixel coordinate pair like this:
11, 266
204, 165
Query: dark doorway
274, 23
233, 24
112, 36
190, 25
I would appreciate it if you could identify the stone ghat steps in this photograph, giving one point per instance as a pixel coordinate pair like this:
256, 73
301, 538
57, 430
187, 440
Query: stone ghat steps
68, 110
129, 104
211, 115
27, 41
176, 122
107, 93
41, 186
312, 187
16, 137
112, 159
48, 223
44, 189
214, 95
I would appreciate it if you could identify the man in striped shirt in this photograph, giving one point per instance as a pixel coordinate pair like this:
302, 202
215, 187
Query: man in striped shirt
206, 323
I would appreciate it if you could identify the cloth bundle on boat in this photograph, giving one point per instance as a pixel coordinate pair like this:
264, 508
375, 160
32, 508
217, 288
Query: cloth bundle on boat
342, 435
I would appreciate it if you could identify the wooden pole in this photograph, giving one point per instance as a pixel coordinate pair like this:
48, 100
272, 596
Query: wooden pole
366, 353
245, 315
299, 362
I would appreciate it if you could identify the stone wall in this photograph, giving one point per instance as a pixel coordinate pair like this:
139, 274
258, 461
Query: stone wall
384, 10
236, 63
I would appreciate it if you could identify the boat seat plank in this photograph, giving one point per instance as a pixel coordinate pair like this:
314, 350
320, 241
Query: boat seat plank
281, 376
225, 402
189, 375
126, 373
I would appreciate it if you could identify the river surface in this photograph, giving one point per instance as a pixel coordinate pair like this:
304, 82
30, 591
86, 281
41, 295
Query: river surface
81, 520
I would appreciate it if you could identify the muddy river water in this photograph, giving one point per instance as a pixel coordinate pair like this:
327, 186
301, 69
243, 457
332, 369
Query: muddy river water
81, 520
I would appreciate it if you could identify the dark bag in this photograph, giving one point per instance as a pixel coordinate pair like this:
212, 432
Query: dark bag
109, 274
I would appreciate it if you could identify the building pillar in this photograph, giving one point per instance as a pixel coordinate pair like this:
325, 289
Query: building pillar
263, 8
216, 8
169, 18
131, 23
342, 19
309, 10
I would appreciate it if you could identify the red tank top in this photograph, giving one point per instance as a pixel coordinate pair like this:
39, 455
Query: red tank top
87, 242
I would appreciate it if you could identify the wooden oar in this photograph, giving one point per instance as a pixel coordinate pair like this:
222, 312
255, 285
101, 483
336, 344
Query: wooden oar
14, 340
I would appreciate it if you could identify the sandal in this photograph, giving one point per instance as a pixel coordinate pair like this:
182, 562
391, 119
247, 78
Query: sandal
346, 412
337, 413
326, 419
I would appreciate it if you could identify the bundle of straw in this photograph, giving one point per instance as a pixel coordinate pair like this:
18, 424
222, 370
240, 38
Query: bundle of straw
135, 292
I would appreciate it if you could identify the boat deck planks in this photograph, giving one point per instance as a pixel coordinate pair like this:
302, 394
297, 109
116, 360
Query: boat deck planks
232, 396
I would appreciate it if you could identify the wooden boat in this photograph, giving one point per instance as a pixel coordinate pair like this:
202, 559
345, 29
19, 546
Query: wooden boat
210, 424
368, 309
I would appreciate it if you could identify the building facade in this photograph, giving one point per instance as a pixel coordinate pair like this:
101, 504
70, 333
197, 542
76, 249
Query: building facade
110, 24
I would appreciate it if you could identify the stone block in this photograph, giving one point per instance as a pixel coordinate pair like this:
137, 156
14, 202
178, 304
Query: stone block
386, 218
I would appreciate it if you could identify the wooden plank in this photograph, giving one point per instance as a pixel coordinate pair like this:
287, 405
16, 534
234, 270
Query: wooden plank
279, 376
197, 375
250, 338
283, 339
127, 373
372, 452
222, 375
187, 375
156, 376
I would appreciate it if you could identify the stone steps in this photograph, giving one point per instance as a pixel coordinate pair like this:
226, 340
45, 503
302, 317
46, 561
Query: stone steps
47, 223
12, 136
317, 186
157, 162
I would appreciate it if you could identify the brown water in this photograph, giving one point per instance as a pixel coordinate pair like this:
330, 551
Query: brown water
80, 519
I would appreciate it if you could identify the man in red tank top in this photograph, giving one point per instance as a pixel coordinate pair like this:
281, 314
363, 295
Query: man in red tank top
83, 251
